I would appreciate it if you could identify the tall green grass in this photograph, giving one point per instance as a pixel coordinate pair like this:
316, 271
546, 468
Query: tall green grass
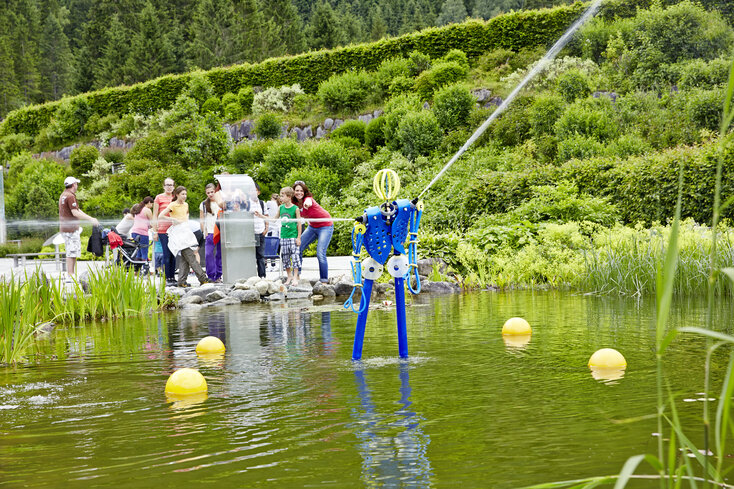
672, 466
111, 293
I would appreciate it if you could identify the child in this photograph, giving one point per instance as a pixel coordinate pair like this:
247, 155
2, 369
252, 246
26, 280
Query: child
158, 257
290, 235
208, 212
181, 238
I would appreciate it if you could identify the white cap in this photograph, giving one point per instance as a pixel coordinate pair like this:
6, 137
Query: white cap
70, 181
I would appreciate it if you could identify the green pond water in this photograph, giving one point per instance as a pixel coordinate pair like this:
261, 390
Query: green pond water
288, 408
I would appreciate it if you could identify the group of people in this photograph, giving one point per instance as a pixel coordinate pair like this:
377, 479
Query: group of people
165, 220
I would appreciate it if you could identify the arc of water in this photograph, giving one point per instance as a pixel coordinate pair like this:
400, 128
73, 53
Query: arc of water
540, 66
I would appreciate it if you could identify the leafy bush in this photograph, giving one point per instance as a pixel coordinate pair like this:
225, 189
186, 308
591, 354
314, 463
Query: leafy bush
348, 91
284, 155
418, 63
233, 112
96, 124
247, 155
245, 97
333, 156
81, 160
456, 55
399, 85
543, 113
275, 99
38, 196
212, 105
628, 145
698, 73
199, 88
353, 128
389, 70
418, 133
573, 85
513, 127
229, 98
13, 144
594, 120
268, 126
438, 76
579, 146
452, 106
395, 109
321, 180
551, 72
496, 59
374, 136
705, 108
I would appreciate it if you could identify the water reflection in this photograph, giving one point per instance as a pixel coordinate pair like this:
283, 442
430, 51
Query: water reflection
516, 342
393, 446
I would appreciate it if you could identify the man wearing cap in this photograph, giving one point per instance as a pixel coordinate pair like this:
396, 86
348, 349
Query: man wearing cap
69, 215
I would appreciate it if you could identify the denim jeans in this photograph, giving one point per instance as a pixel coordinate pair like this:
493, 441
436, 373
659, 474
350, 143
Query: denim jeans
323, 234
259, 256
169, 259
143, 250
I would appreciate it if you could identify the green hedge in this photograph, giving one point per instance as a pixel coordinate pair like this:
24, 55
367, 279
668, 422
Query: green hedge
645, 188
474, 37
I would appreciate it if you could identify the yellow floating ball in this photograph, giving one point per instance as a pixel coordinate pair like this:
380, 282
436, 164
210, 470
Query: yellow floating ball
186, 381
210, 344
516, 341
516, 326
607, 358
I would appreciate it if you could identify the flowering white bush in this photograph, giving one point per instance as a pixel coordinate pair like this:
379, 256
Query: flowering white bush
275, 99
553, 70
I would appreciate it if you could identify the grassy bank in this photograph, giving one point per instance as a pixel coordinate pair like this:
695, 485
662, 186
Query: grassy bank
28, 303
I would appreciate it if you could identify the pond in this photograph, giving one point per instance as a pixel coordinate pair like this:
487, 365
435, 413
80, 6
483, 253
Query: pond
288, 408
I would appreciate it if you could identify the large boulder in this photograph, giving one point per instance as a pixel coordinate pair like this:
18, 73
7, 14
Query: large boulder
343, 288
226, 301
190, 299
263, 286
215, 296
202, 291
290, 295
440, 288
324, 290
246, 296
425, 266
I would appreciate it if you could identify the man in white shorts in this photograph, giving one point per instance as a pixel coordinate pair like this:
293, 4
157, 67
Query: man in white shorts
69, 215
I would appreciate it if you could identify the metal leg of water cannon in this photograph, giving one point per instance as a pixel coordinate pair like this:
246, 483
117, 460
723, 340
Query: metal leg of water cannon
362, 321
400, 310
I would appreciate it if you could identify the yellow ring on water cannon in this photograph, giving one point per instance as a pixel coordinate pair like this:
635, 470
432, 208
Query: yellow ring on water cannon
359, 228
516, 326
386, 184
420, 206
186, 381
210, 344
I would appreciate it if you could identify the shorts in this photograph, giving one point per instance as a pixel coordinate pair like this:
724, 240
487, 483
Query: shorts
290, 253
73, 243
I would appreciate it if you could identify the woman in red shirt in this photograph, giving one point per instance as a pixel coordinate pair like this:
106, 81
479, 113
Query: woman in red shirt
322, 228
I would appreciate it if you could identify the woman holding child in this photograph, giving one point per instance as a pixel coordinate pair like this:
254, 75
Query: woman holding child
181, 238
321, 228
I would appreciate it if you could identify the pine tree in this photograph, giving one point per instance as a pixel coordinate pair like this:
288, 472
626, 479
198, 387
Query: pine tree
25, 25
9, 93
151, 54
414, 17
253, 34
378, 26
324, 29
211, 34
452, 12
288, 37
56, 68
110, 69
92, 42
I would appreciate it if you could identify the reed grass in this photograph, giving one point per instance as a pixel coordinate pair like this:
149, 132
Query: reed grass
672, 465
112, 292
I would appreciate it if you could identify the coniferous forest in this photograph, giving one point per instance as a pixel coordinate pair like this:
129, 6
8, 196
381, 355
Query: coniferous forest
51, 48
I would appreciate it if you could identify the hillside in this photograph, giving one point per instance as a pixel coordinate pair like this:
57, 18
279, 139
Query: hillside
585, 162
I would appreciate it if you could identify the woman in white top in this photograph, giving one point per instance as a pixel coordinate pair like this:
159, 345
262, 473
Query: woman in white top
208, 212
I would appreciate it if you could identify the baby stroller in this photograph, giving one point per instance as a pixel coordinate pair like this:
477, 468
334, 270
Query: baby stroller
127, 249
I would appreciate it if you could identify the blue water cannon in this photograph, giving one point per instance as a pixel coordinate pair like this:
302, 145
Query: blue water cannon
384, 231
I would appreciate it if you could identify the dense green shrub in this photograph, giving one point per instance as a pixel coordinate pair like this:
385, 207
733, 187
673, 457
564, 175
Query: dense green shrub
418, 133
275, 99
496, 60
321, 180
212, 105
245, 97
268, 126
573, 85
199, 88
352, 128
81, 160
698, 73
395, 109
400, 84
705, 108
96, 124
418, 63
233, 112
284, 155
456, 55
229, 98
13, 144
452, 106
594, 120
543, 113
38, 196
374, 136
247, 155
333, 156
438, 76
513, 127
389, 70
579, 146
628, 145
348, 91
